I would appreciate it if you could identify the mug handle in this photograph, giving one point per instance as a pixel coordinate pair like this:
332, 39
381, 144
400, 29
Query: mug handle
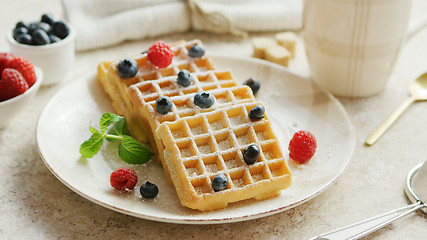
417, 26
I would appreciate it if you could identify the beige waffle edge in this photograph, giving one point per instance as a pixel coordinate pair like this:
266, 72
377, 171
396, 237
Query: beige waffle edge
113, 88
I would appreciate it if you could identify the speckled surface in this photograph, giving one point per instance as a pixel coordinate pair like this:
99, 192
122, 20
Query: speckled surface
35, 205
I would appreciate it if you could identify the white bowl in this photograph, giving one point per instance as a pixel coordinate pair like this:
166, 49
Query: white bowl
56, 59
9, 108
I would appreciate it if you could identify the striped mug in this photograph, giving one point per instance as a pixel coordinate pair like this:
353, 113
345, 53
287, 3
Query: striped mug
352, 45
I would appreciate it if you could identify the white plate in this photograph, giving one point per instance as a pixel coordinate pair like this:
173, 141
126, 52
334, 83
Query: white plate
292, 103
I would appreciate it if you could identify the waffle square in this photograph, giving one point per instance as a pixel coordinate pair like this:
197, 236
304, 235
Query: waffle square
117, 87
199, 147
149, 91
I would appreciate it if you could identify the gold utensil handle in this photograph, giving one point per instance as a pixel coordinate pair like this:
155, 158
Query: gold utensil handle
390, 120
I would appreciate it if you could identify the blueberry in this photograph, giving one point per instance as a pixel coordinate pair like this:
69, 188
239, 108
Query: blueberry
25, 39
219, 182
184, 78
197, 50
33, 26
19, 31
53, 38
257, 112
39, 25
163, 105
149, 190
21, 24
127, 68
251, 154
254, 84
46, 27
40, 37
60, 29
47, 18
204, 99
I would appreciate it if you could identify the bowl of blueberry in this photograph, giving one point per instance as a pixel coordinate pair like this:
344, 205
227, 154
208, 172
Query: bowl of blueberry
48, 43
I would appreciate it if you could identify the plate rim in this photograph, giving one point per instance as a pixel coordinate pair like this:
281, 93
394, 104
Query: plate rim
92, 75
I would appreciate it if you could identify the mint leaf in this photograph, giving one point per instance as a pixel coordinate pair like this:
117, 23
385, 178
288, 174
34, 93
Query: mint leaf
93, 130
119, 128
129, 149
90, 147
107, 119
132, 152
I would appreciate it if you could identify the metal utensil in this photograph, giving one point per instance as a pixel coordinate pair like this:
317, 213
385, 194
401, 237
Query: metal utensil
418, 91
360, 229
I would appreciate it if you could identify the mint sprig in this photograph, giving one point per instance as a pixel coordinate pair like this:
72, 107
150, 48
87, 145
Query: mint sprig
132, 152
129, 150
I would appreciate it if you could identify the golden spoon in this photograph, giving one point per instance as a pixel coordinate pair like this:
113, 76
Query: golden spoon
418, 91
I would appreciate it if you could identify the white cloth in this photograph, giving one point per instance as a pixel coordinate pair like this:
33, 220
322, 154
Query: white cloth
102, 23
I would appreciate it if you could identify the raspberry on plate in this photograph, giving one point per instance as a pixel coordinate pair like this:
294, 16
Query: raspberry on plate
302, 146
5, 59
160, 54
26, 68
123, 179
12, 84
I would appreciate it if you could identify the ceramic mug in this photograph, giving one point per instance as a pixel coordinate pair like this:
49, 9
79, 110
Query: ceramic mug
352, 45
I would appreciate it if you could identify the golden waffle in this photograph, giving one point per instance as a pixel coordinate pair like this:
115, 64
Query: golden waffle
149, 91
183, 106
117, 87
199, 147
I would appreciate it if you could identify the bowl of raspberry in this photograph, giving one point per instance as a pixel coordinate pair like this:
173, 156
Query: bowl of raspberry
19, 82
48, 43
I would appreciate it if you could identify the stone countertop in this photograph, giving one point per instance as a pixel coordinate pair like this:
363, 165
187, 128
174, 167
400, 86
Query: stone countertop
36, 205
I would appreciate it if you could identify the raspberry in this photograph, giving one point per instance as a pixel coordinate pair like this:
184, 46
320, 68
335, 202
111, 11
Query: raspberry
123, 179
5, 59
12, 84
160, 54
26, 68
302, 146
